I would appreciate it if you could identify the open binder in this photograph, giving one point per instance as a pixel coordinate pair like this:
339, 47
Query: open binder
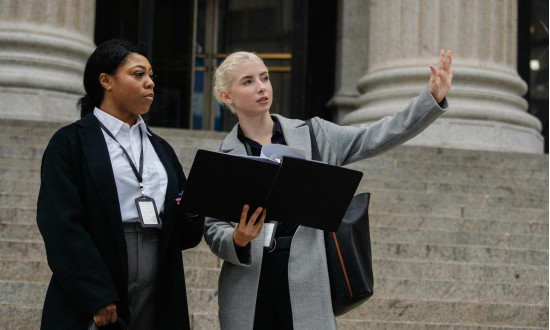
297, 191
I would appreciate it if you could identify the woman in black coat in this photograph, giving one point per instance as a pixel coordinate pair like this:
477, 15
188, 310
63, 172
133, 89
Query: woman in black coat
106, 262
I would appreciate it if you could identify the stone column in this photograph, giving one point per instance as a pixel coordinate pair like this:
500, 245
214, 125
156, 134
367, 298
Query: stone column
487, 111
351, 51
44, 46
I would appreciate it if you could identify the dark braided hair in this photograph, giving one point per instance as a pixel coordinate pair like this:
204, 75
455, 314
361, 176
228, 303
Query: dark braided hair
107, 58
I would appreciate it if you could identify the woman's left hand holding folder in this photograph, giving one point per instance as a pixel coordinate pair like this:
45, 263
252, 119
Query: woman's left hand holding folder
248, 229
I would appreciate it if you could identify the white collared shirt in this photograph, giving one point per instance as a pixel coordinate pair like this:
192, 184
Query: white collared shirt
155, 179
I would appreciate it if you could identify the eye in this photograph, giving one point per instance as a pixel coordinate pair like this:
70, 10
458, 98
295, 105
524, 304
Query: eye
139, 74
247, 82
153, 76
265, 78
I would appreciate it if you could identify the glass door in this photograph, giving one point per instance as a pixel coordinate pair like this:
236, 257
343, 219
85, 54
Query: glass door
225, 26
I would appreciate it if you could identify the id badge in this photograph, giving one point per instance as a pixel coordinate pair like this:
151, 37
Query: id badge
147, 211
269, 239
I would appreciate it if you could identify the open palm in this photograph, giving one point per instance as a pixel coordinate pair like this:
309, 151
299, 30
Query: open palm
442, 76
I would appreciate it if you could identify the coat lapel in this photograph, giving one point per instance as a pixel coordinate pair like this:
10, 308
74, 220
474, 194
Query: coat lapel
97, 159
296, 134
169, 218
232, 145
295, 131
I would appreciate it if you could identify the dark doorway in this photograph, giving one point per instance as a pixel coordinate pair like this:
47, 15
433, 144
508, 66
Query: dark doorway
185, 40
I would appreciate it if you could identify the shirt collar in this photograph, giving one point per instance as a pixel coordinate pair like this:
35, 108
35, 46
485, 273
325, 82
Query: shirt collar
115, 125
277, 130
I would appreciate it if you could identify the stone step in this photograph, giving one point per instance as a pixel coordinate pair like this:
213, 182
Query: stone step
456, 211
202, 271
199, 258
18, 215
491, 159
530, 222
26, 175
21, 232
394, 202
459, 271
432, 175
459, 253
30, 294
344, 324
418, 310
34, 250
502, 190
15, 186
452, 312
496, 239
19, 163
20, 317
476, 292
414, 270
380, 233
199, 276
534, 227
25, 271
206, 321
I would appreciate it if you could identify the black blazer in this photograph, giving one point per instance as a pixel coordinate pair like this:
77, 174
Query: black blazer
78, 215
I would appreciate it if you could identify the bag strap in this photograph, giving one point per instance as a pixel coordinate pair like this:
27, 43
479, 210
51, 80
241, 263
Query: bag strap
315, 154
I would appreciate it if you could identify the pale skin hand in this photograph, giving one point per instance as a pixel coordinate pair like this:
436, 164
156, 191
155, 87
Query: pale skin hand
246, 231
442, 76
105, 315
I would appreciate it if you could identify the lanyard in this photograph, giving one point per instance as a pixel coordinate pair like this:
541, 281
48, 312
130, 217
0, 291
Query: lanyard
136, 172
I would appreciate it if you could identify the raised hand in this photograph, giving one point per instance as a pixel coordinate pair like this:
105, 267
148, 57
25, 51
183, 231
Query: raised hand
247, 230
442, 76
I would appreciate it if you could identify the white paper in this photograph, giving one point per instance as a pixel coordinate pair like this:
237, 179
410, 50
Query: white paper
276, 152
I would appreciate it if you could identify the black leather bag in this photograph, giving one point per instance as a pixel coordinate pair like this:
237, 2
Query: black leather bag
349, 259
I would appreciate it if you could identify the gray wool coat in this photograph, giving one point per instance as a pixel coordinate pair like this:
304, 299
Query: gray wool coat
307, 270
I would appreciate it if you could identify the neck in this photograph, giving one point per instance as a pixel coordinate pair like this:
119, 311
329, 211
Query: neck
120, 115
259, 129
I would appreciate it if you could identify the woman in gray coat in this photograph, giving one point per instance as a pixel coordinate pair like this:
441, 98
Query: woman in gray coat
289, 287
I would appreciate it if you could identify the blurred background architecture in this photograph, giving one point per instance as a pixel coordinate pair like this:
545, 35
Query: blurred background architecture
459, 214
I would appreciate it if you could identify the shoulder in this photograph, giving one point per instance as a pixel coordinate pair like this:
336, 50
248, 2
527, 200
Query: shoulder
289, 122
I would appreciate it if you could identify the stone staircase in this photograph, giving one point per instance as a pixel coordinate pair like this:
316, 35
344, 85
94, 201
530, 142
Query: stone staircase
459, 238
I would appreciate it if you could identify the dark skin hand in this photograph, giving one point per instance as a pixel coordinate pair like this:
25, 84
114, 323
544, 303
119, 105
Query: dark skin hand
105, 315
246, 231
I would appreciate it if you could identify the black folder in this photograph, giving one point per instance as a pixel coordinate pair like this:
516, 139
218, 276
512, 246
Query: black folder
296, 191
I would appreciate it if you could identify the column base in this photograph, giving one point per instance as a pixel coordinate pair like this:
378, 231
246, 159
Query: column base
38, 104
480, 135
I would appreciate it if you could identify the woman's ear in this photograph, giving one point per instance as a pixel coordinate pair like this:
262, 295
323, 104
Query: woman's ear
225, 97
105, 81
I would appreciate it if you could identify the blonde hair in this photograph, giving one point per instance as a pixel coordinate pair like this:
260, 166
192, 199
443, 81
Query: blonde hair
223, 77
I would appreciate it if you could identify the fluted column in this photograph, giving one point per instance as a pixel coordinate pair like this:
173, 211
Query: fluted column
487, 111
44, 46
351, 50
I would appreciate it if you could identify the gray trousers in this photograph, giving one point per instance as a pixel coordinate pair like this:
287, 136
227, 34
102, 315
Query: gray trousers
143, 247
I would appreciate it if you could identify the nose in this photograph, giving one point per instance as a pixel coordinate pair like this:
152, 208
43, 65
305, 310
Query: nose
262, 87
149, 82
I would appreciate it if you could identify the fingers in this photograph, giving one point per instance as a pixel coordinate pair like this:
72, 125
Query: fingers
448, 61
105, 315
445, 60
244, 215
441, 61
248, 229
